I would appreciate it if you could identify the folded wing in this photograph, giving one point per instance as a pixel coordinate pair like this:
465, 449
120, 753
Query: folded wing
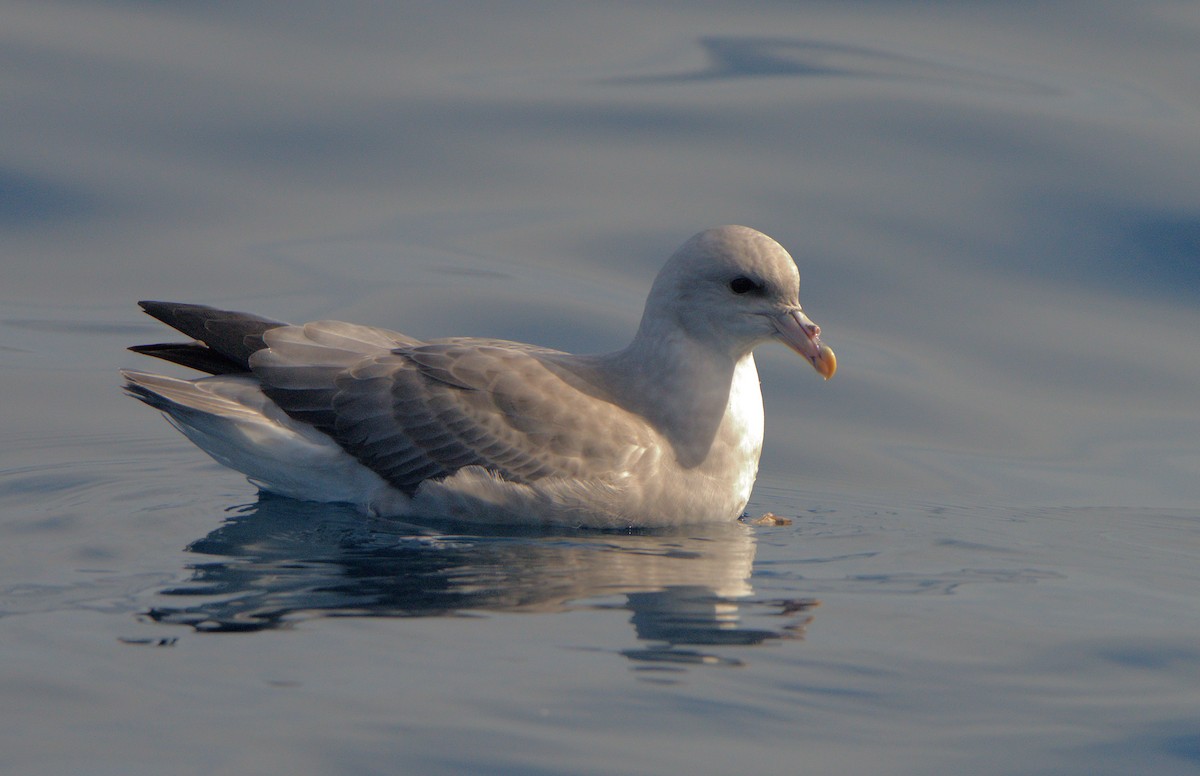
413, 411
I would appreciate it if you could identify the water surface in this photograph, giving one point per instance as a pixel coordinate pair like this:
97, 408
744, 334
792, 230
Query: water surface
996, 510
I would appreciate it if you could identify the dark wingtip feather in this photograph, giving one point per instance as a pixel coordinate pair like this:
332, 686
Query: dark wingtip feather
229, 336
193, 355
170, 312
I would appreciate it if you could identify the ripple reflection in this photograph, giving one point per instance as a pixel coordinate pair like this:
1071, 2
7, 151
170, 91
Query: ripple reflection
278, 562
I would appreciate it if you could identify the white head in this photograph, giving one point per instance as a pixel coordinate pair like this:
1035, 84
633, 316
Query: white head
735, 287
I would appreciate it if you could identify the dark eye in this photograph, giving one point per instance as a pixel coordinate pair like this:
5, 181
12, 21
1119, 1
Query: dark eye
744, 285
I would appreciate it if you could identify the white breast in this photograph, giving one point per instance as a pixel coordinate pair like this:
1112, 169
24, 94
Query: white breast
743, 427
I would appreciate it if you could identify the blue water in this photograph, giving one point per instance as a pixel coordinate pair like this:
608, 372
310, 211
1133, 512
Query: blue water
992, 564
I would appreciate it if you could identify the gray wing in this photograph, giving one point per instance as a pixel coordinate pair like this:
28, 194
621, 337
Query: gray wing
414, 411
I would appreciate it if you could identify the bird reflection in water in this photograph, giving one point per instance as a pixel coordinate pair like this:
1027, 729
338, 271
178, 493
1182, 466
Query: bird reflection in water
279, 561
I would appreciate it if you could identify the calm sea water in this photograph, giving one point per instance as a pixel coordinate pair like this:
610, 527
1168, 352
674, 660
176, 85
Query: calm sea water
993, 561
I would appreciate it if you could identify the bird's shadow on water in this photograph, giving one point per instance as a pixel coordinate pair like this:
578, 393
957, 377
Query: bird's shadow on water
277, 562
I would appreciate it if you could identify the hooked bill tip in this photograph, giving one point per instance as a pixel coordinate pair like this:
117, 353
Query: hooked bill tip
826, 362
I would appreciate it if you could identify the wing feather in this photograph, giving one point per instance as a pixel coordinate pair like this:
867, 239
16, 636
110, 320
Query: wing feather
414, 411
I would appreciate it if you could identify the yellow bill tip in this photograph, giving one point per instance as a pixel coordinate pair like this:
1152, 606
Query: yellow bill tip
826, 363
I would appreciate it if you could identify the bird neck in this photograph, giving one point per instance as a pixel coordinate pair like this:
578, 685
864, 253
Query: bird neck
681, 386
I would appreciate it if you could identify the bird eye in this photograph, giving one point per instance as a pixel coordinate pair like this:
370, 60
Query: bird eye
744, 285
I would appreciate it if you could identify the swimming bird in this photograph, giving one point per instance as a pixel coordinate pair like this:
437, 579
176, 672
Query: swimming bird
665, 432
